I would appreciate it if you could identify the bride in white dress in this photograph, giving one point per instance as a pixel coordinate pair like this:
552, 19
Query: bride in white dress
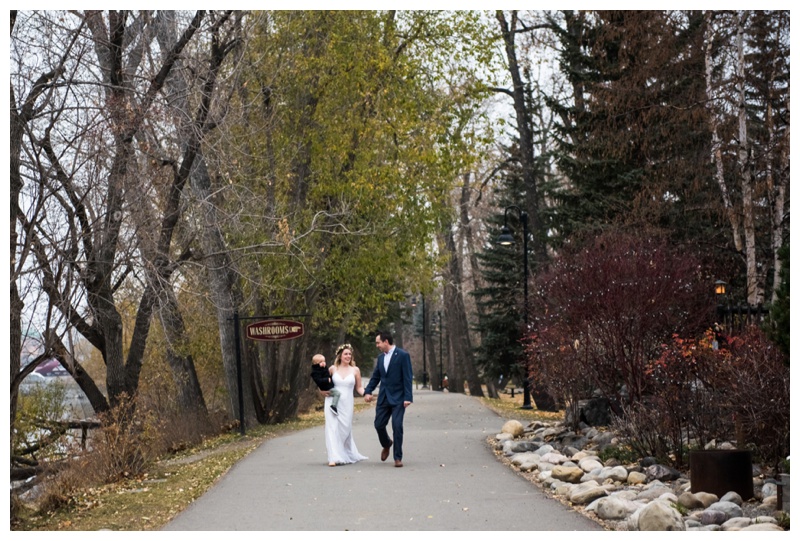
339, 428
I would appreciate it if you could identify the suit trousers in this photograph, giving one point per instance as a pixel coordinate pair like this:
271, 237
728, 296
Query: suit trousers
384, 412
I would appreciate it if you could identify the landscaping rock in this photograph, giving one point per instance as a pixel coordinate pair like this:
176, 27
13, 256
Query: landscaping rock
567, 474
707, 498
660, 516
617, 494
764, 527
636, 478
690, 501
514, 428
612, 508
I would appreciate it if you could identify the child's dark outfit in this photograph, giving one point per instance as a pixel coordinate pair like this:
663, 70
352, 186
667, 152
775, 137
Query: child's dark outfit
323, 380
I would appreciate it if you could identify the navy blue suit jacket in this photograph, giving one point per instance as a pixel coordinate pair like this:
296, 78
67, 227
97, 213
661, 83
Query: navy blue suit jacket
396, 383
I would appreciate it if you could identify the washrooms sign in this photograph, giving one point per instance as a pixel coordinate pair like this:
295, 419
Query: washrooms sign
275, 329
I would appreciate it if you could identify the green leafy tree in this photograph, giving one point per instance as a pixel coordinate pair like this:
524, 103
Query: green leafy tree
338, 166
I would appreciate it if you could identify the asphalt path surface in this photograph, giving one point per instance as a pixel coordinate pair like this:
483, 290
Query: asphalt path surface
451, 480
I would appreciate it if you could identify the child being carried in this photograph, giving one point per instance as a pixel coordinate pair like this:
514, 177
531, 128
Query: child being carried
322, 378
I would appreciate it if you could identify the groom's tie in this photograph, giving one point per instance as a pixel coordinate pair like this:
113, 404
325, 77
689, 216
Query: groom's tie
385, 362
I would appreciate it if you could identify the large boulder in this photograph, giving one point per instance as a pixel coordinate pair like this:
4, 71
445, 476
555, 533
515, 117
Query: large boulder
586, 493
554, 458
653, 490
521, 458
729, 508
593, 412
736, 523
617, 473
523, 446
567, 474
732, 497
710, 516
612, 508
513, 427
636, 478
662, 473
660, 516
707, 498
690, 501
590, 463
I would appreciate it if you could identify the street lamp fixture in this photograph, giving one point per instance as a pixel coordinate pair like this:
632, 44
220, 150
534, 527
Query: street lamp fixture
720, 288
506, 239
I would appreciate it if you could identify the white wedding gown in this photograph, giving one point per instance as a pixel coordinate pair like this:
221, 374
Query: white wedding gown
339, 428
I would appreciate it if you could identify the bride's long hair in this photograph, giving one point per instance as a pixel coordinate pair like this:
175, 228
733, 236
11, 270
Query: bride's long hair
339, 352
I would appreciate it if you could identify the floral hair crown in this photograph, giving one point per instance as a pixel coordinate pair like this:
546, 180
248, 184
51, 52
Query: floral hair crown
342, 348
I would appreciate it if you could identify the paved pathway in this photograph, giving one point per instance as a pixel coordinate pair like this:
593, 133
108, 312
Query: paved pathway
451, 481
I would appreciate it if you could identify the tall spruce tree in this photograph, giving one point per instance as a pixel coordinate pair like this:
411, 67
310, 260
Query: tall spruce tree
501, 319
501, 300
632, 141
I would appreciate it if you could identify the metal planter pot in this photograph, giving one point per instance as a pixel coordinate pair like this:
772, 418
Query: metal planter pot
721, 471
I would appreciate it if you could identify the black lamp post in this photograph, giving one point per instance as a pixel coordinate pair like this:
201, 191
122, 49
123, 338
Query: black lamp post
441, 366
720, 289
506, 239
424, 355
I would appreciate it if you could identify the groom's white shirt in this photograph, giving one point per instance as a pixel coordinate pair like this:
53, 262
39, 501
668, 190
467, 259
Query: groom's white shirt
386, 357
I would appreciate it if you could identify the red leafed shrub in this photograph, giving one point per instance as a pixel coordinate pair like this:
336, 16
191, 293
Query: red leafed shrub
737, 393
754, 391
599, 314
684, 409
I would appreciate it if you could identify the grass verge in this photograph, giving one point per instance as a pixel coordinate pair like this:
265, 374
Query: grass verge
511, 408
170, 485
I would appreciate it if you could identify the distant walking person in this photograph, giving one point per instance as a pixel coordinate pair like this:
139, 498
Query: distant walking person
393, 373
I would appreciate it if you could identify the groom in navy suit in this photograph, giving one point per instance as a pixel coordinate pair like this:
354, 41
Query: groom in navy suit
393, 372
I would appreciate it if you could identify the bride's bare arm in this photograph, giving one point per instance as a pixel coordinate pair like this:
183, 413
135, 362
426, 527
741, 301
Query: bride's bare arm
359, 388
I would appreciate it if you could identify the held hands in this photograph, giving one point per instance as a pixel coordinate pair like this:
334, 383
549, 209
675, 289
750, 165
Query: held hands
367, 397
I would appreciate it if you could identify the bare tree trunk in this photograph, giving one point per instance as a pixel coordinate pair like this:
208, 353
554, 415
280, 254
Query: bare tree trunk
190, 395
755, 291
465, 227
399, 327
225, 293
716, 143
457, 319
525, 147
192, 129
17, 123
777, 190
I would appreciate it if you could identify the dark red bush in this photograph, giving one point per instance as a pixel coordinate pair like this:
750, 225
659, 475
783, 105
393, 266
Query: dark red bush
599, 314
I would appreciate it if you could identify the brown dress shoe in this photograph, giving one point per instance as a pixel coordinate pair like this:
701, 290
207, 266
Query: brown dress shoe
385, 452
398, 464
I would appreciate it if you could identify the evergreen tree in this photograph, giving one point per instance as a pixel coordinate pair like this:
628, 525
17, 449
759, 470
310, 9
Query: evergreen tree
501, 300
633, 141
501, 319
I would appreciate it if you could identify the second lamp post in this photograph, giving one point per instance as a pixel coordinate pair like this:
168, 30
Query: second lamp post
507, 239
